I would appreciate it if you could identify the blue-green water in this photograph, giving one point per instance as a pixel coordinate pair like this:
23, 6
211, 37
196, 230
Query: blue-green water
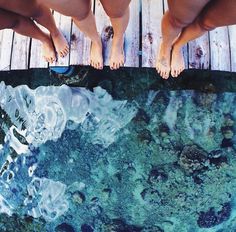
76, 160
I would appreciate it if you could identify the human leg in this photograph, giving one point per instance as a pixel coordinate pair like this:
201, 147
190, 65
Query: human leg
211, 17
118, 11
180, 14
27, 27
80, 11
43, 16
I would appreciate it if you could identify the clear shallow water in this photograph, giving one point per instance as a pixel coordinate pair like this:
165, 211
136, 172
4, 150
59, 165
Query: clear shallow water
76, 160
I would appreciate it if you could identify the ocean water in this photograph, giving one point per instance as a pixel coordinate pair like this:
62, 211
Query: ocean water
73, 159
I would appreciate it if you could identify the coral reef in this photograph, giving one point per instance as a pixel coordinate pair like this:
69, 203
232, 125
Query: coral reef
76, 160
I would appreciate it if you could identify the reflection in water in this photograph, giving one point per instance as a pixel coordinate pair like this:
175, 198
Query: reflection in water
82, 161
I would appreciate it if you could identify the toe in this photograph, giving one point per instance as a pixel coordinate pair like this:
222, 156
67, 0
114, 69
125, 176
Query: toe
117, 66
112, 66
99, 66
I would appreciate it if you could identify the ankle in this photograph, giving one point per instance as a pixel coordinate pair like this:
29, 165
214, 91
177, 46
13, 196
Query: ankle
97, 42
118, 40
55, 33
177, 48
166, 45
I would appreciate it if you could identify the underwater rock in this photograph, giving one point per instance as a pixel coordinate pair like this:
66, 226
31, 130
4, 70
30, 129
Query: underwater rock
78, 197
152, 229
227, 143
207, 219
95, 207
86, 228
227, 132
205, 99
211, 218
145, 136
20, 224
229, 120
197, 180
151, 196
119, 225
157, 175
192, 159
141, 117
164, 130
64, 227
218, 162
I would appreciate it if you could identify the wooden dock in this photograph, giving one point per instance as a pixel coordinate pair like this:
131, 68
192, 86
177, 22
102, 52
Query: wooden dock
215, 50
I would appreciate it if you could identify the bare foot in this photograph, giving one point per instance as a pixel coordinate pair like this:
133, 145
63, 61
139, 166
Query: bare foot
163, 61
96, 59
60, 43
48, 50
177, 62
117, 58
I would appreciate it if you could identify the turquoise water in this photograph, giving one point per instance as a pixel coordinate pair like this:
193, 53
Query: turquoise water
74, 159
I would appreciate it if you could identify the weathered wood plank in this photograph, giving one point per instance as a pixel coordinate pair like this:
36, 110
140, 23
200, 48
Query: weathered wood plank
64, 24
220, 51
20, 52
6, 37
199, 53
36, 53
165, 7
152, 12
105, 30
131, 44
80, 46
232, 37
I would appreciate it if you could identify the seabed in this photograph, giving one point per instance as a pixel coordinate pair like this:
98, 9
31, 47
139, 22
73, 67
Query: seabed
117, 152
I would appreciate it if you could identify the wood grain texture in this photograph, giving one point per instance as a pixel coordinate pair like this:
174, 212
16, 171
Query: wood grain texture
6, 37
20, 52
152, 12
199, 53
131, 44
220, 50
215, 50
36, 52
232, 36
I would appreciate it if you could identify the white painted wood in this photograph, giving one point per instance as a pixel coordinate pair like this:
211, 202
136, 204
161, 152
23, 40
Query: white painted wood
220, 50
36, 52
6, 37
14, 48
80, 46
20, 52
232, 37
105, 30
131, 45
152, 12
199, 53
64, 24
165, 5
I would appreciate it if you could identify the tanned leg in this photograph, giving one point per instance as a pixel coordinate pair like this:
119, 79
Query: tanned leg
80, 11
43, 16
27, 27
180, 14
118, 11
211, 17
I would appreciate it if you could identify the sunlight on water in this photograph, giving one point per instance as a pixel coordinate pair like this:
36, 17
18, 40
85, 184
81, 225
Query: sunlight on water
78, 160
